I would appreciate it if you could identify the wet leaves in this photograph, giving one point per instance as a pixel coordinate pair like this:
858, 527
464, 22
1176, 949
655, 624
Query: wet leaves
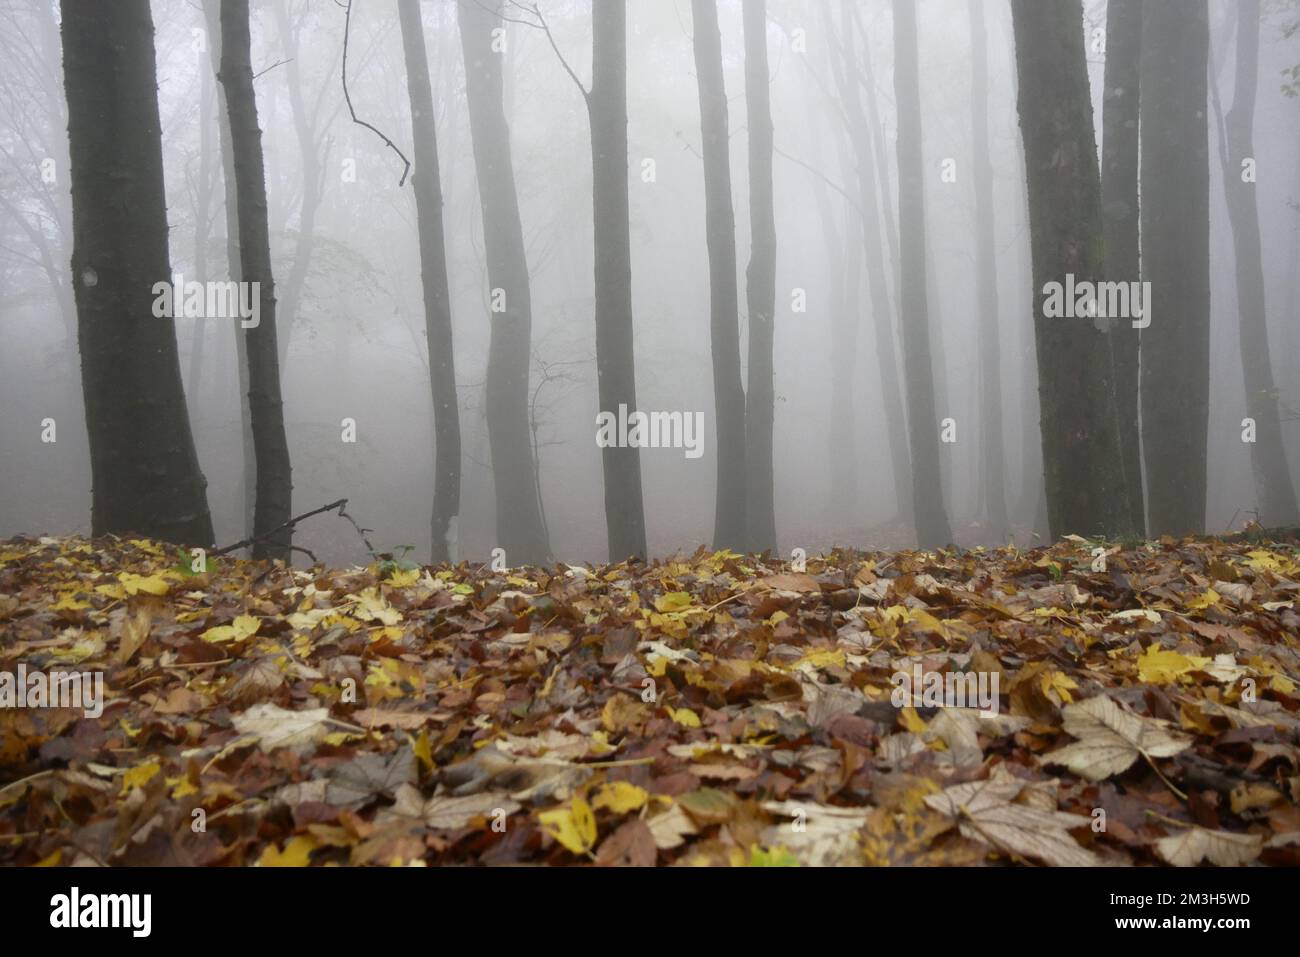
713, 709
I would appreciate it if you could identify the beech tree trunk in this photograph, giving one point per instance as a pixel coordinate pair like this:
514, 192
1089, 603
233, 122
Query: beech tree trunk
437, 299
274, 494
520, 530
144, 469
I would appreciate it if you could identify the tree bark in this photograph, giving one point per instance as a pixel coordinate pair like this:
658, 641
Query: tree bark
1276, 494
144, 468
932, 529
1175, 358
274, 490
519, 522
1120, 225
992, 444
1081, 452
720, 227
437, 299
760, 287
615, 360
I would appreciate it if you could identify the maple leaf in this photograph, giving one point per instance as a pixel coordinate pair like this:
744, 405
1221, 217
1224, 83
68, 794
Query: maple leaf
1111, 738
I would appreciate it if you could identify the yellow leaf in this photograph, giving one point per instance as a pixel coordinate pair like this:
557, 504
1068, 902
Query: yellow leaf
245, 626
53, 860
150, 585
673, 601
68, 603
573, 826
620, 797
401, 579
1204, 600
1160, 667
912, 721
1057, 686
181, 787
683, 716
139, 775
297, 853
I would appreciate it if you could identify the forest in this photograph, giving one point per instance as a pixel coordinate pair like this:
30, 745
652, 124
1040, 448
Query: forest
728, 432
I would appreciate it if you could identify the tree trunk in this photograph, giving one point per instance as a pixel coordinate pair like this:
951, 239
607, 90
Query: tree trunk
437, 299
1175, 357
1081, 453
891, 391
274, 496
724, 333
1276, 494
932, 529
760, 287
1120, 222
615, 361
144, 468
992, 444
519, 522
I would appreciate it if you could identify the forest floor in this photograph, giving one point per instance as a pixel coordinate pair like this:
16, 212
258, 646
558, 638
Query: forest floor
716, 709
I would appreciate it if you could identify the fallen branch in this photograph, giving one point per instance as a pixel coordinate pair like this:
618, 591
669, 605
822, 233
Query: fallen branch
280, 528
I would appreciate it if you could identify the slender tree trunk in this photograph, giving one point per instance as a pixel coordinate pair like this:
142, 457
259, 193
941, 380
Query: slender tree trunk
1276, 494
728, 389
891, 391
760, 286
992, 445
248, 478
1081, 451
144, 468
311, 177
519, 522
615, 361
1120, 224
437, 298
202, 229
932, 529
1175, 359
274, 497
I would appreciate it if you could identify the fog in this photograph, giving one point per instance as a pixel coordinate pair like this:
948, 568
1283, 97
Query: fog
357, 348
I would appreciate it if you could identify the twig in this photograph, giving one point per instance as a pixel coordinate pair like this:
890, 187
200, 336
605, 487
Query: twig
280, 528
347, 26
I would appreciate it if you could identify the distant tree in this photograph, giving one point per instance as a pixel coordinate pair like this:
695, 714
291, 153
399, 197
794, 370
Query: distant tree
1273, 487
720, 228
274, 496
520, 527
932, 529
992, 445
144, 469
760, 286
437, 298
1175, 182
1085, 491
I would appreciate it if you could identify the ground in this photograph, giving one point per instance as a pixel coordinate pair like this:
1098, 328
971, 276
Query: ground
1138, 707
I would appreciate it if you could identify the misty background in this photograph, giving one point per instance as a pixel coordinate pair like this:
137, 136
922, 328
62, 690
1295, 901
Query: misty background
354, 313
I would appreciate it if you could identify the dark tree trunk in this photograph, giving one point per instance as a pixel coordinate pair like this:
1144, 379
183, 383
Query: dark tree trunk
615, 362
760, 286
519, 522
144, 468
1276, 494
1175, 357
992, 479
1120, 222
274, 497
437, 299
891, 390
1081, 453
724, 333
248, 481
932, 529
